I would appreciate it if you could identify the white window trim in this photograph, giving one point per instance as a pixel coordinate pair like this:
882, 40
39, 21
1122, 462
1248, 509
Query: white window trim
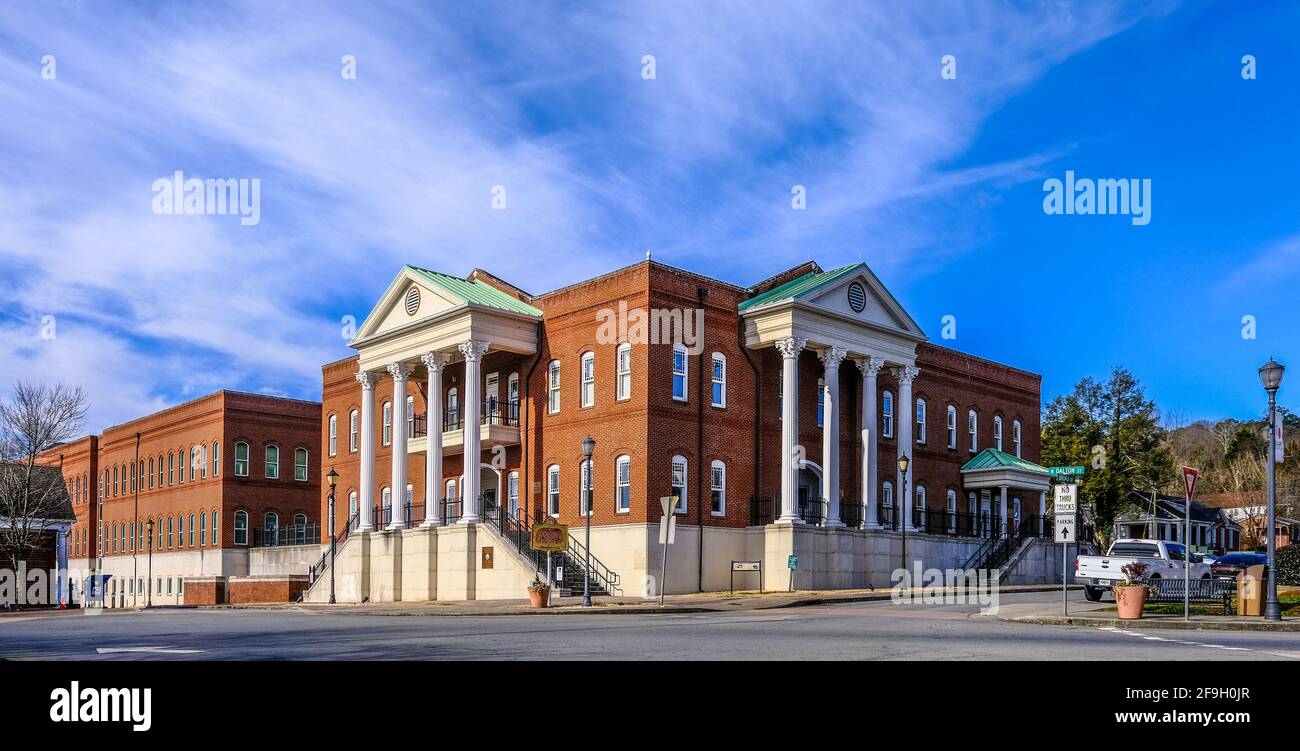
920, 421
248, 460
887, 414
952, 426
587, 380
386, 435
267, 464
997, 432
684, 499
306, 465
718, 464
1016, 436
623, 377
353, 430
618, 464
972, 429
715, 380
553, 378
952, 511
821, 402
553, 489
685, 374
334, 435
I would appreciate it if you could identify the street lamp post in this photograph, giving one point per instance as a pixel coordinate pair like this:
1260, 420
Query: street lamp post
588, 447
333, 479
903, 463
148, 601
1270, 376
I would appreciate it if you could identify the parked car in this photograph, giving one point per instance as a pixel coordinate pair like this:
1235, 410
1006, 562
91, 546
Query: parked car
1232, 564
1164, 560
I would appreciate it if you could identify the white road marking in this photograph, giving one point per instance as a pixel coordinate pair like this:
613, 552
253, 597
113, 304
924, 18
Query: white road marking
1113, 630
149, 650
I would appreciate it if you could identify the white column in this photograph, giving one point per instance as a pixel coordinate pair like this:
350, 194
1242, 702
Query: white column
831, 357
366, 521
399, 371
789, 349
870, 367
61, 558
436, 363
1002, 507
473, 352
905, 414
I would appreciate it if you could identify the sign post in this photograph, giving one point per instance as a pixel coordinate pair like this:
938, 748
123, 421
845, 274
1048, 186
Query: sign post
551, 537
1065, 505
792, 563
747, 566
1190, 477
667, 535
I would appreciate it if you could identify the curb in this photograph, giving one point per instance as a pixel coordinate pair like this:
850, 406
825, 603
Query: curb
1145, 623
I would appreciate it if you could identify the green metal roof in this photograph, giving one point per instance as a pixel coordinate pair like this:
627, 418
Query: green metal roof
477, 291
994, 459
798, 287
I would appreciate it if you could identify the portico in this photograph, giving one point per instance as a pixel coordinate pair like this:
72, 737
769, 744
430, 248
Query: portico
424, 323
841, 314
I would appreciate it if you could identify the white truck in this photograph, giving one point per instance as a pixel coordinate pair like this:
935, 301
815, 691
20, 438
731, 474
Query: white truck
1164, 560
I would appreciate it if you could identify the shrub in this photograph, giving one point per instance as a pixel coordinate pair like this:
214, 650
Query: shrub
1288, 565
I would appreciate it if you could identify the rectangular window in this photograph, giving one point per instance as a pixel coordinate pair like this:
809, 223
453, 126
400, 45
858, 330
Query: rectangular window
241, 460
887, 416
300, 465
272, 463
997, 433
388, 423
553, 491
719, 380
588, 379
512, 494
718, 489
171, 469
334, 435
352, 432
216, 459
679, 485
171, 533
623, 485
180, 531
920, 421
216, 538
952, 428
624, 371
1015, 436
972, 424
553, 387
679, 375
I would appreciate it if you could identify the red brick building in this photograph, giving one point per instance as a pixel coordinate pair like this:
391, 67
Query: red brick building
217, 476
745, 403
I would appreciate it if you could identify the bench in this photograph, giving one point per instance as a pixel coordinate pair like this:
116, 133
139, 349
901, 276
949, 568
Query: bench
1201, 590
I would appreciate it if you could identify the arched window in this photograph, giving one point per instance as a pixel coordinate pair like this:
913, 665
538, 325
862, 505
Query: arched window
159, 524
272, 468
180, 531
952, 427
410, 416
216, 536
821, 402
887, 415
718, 379
194, 463
352, 431
584, 487
300, 529
387, 435
1015, 436
623, 368
171, 468
1015, 514
623, 484
352, 505
132, 478
131, 539
334, 435
512, 494
512, 395
161, 472
918, 516
150, 474
203, 528
972, 428
191, 529
241, 527
678, 473
453, 409
587, 393
997, 432
451, 491
920, 421
952, 511
171, 539
718, 488
300, 464
680, 392
271, 527
241, 459
553, 387
887, 516
386, 499
203, 461
553, 490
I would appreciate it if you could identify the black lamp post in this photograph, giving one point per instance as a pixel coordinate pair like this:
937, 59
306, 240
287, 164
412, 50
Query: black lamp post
332, 478
1270, 376
148, 601
588, 447
903, 464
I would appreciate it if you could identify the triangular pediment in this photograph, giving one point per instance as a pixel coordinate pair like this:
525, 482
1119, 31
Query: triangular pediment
858, 294
408, 299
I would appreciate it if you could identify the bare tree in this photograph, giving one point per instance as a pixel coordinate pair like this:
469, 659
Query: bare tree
38, 418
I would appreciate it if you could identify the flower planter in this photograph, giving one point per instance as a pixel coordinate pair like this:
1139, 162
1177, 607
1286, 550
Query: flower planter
537, 597
1129, 601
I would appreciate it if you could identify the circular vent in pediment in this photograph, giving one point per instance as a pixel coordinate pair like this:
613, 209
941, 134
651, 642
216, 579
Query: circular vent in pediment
412, 301
857, 297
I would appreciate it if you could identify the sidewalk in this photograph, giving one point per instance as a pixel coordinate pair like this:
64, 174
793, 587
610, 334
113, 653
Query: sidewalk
1096, 615
708, 602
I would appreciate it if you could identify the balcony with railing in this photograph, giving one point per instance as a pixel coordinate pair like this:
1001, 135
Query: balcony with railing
498, 426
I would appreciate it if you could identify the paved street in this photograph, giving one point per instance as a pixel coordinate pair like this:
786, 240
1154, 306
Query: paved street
866, 631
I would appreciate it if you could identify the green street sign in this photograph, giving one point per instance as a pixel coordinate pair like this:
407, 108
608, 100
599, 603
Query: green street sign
1076, 470
793, 562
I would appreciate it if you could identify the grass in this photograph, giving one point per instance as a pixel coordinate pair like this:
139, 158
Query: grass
1290, 607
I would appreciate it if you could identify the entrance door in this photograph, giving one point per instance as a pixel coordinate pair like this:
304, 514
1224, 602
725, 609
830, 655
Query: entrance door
491, 397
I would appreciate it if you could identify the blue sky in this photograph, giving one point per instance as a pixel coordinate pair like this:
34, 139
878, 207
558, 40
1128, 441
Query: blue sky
937, 184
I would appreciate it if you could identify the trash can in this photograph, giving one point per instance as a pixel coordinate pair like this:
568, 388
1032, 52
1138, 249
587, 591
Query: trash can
1251, 586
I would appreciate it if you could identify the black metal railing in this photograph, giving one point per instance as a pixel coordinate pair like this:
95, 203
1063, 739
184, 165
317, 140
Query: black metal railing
567, 567
492, 412
986, 524
294, 534
318, 568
